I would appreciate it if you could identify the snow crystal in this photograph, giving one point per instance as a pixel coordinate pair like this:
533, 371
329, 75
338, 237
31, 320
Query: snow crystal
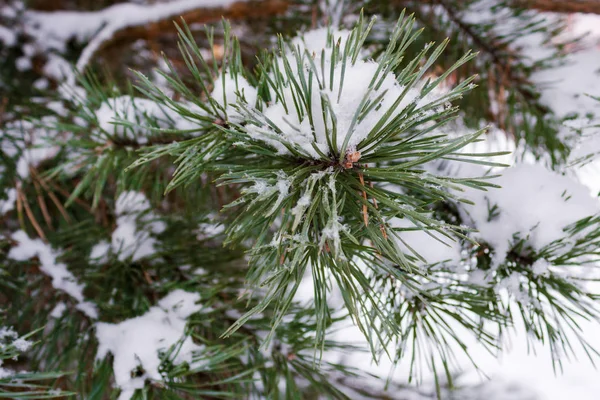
206, 230
138, 342
62, 279
135, 225
265, 190
512, 284
8, 337
22, 344
303, 201
7, 333
331, 232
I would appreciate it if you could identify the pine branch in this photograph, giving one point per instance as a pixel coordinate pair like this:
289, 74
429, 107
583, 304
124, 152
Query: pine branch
24, 385
511, 101
323, 164
511, 76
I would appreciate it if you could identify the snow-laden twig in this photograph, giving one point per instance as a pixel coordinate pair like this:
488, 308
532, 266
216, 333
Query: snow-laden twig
101, 27
62, 278
128, 15
138, 342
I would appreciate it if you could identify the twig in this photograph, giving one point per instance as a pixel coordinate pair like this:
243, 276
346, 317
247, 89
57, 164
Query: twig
42, 204
364, 195
20, 208
30, 215
51, 194
3, 104
67, 195
382, 226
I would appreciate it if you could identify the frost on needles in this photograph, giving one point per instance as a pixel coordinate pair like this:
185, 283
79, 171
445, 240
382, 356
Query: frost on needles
337, 156
346, 193
326, 148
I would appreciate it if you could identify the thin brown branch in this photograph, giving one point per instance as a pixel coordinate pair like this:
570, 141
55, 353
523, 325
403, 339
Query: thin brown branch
3, 104
51, 194
67, 195
382, 226
42, 204
20, 209
30, 215
560, 6
365, 211
241, 10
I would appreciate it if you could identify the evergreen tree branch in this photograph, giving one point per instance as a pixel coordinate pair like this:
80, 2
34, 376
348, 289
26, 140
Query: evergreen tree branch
511, 76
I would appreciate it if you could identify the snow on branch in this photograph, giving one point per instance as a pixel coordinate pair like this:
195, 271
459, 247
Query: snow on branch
139, 342
132, 237
62, 278
135, 20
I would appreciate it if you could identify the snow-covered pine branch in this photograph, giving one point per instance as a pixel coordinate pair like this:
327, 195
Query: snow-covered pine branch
248, 223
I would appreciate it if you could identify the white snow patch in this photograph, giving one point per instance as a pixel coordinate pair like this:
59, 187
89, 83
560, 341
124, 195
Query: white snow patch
528, 196
136, 224
540, 267
7, 36
53, 30
58, 310
138, 342
8, 204
8, 339
229, 90
432, 250
37, 147
62, 279
208, 230
138, 111
564, 88
347, 99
